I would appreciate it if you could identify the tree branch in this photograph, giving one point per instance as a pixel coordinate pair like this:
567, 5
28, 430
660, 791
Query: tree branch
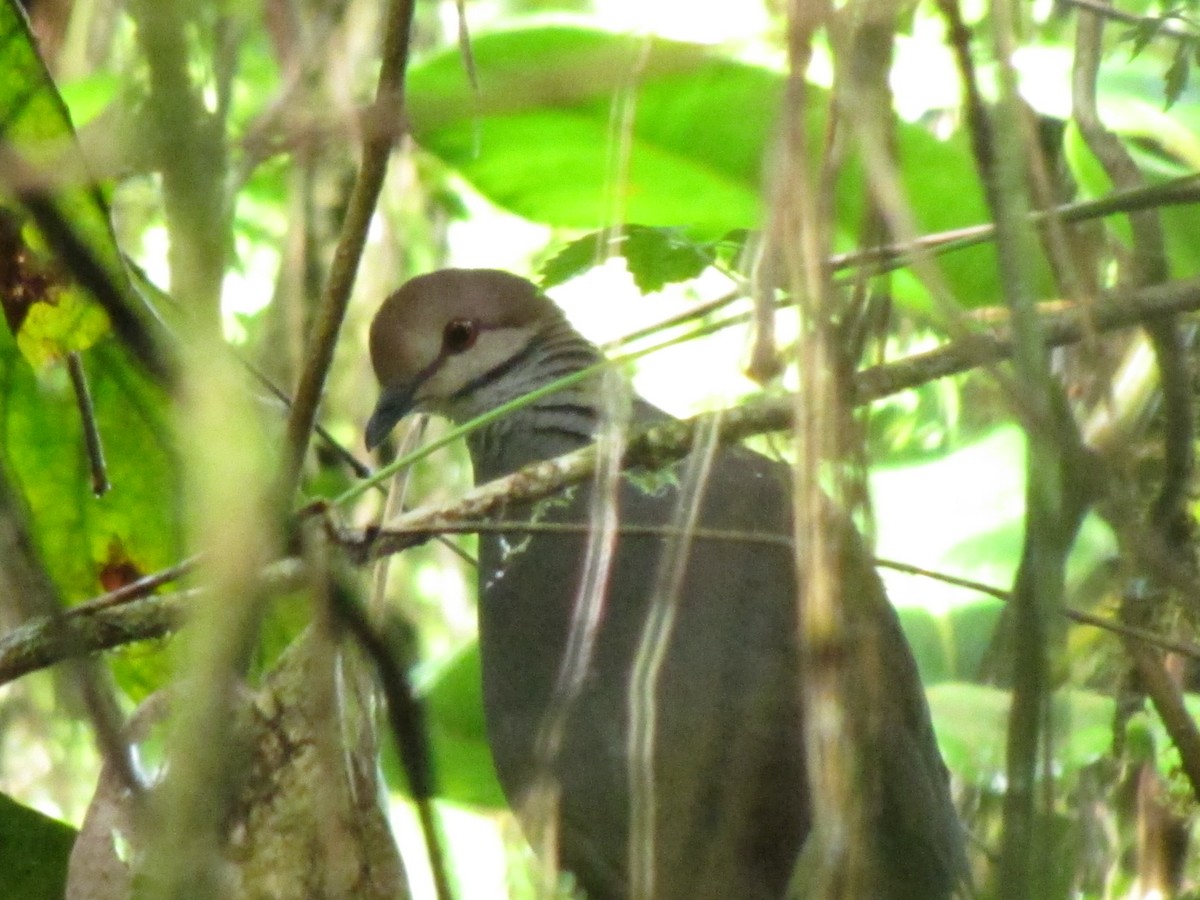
120, 617
383, 125
1164, 693
127, 615
654, 447
41, 643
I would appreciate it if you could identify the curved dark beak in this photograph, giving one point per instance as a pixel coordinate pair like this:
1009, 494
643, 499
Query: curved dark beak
395, 402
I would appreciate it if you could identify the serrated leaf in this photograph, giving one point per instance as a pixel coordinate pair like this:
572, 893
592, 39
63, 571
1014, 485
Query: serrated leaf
1140, 35
539, 140
657, 257
574, 259
1176, 78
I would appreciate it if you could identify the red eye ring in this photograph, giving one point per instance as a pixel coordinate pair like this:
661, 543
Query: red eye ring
459, 335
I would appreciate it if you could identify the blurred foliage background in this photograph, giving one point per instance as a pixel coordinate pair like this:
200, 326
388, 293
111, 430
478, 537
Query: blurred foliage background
621, 152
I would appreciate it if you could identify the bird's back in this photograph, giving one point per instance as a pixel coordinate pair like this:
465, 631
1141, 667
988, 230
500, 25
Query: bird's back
729, 790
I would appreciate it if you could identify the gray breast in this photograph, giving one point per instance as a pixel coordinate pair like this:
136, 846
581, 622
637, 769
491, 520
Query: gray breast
731, 798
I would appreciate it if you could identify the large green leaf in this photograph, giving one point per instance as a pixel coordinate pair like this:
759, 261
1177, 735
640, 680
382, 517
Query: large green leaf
459, 735
537, 138
78, 533
87, 543
34, 852
560, 107
57, 315
1130, 100
91, 543
1180, 223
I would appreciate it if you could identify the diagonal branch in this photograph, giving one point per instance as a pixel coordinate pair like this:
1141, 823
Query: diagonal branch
128, 615
383, 125
654, 447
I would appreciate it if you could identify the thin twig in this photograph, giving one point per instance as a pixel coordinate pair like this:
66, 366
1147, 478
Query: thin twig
1063, 324
135, 590
1107, 11
352, 462
35, 595
87, 419
1169, 518
378, 139
1149, 266
118, 618
130, 614
1079, 616
1181, 191
44, 642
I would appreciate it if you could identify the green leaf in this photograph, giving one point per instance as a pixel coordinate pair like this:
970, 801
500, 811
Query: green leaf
34, 852
574, 259
537, 139
37, 127
1140, 34
655, 257
42, 440
691, 129
87, 97
82, 539
87, 543
455, 703
1176, 78
660, 256
1180, 222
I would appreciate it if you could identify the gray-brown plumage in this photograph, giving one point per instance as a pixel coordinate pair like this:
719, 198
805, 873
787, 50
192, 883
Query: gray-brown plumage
731, 809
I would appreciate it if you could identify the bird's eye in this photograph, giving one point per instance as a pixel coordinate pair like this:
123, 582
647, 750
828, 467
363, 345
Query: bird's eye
459, 335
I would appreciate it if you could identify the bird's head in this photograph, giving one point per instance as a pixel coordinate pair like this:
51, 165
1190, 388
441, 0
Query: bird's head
440, 340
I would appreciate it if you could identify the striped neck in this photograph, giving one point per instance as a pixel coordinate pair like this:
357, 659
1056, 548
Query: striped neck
552, 425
